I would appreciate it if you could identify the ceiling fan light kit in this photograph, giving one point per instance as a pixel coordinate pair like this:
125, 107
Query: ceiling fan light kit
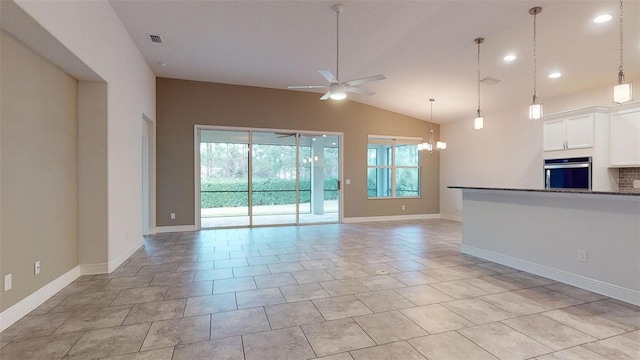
338, 90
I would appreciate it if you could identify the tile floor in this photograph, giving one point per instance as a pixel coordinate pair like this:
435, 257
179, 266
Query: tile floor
398, 291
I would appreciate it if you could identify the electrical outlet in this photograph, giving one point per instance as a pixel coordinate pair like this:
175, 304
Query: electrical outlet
583, 255
8, 283
636, 184
36, 267
347, 181
403, 207
173, 216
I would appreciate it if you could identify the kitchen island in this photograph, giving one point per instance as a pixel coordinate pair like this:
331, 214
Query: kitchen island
589, 239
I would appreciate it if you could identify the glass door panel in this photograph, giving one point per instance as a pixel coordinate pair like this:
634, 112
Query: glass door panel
319, 169
224, 178
274, 177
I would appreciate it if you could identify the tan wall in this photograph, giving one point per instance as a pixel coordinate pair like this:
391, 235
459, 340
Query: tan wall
182, 104
39, 170
92, 166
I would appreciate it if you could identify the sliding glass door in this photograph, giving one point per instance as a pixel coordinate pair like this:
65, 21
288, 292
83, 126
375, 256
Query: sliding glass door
273, 178
224, 178
319, 178
258, 178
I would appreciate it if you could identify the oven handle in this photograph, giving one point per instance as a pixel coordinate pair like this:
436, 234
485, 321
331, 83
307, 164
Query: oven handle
567, 166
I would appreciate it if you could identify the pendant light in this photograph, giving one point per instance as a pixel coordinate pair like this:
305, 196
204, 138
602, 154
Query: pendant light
535, 109
622, 91
432, 146
478, 122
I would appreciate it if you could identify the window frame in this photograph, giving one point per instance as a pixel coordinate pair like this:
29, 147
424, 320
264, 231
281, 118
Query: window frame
392, 142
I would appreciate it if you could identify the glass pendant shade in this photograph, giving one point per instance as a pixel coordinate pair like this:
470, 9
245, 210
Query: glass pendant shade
622, 93
478, 123
535, 111
441, 145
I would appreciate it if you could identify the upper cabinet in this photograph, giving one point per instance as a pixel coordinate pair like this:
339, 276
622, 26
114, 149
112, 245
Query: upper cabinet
624, 137
571, 132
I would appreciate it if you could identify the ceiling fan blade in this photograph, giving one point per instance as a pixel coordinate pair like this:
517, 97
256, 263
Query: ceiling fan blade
365, 80
328, 75
307, 86
326, 95
360, 91
283, 135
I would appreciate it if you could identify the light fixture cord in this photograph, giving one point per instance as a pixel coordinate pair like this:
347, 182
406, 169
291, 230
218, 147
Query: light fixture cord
479, 78
431, 101
338, 46
621, 39
431, 138
535, 68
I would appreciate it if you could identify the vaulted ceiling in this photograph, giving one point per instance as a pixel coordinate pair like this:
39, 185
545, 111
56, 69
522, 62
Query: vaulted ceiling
424, 48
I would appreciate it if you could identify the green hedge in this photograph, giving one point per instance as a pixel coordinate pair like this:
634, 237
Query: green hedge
234, 192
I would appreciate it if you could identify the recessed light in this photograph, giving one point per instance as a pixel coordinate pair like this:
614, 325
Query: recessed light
554, 75
509, 58
602, 18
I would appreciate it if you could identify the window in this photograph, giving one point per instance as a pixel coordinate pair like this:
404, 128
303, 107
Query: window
393, 167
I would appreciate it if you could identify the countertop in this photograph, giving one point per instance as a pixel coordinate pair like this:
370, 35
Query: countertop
563, 191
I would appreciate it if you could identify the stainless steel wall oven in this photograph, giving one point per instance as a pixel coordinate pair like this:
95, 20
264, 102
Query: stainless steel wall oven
571, 173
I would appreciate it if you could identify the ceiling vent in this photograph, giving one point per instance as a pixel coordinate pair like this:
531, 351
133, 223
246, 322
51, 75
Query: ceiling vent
155, 38
490, 81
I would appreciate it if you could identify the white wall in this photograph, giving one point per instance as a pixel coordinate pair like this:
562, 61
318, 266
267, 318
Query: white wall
508, 151
92, 31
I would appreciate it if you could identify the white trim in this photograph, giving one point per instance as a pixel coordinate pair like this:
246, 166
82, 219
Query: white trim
113, 264
597, 286
451, 217
197, 196
28, 304
177, 228
351, 220
581, 111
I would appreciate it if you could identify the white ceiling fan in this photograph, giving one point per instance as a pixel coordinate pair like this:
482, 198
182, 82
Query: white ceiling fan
338, 90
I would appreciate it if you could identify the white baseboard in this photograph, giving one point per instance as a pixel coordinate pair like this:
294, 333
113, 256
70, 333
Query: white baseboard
457, 218
597, 286
178, 228
28, 304
351, 220
93, 269
113, 264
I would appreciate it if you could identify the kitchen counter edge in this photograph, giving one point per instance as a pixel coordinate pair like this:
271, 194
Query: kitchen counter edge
562, 191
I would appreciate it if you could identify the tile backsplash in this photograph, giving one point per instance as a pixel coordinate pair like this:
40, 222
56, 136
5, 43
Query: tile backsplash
626, 176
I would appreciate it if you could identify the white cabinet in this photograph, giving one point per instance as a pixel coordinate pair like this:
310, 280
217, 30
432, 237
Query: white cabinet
573, 132
624, 137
